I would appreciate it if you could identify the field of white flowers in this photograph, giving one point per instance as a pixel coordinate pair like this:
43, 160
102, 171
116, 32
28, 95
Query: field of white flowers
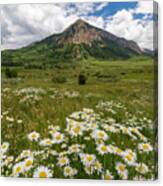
104, 141
105, 129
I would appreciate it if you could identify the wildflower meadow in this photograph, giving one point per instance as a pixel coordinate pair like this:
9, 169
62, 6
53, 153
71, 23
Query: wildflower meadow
105, 129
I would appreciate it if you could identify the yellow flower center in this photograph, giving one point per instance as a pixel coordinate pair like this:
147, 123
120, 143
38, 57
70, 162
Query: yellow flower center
97, 165
48, 142
135, 130
58, 137
77, 130
107, 177
125, 130
104, 148
74, 148
63, 161
4, 146
25, 153
119, 151
18, 169
33, 136
28, 163
67, 170
128, 157
100, 134
43, 174
145, 146
141, 168
121, 168
89, 158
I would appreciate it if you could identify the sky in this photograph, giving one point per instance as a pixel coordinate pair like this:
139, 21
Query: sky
25, 23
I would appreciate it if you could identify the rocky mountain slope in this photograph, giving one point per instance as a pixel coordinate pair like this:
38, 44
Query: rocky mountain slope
79, 41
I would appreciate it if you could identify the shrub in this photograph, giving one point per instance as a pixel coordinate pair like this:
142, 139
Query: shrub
59, 79
11, 73
82, 79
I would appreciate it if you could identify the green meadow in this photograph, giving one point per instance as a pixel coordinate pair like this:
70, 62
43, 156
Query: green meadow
41, 97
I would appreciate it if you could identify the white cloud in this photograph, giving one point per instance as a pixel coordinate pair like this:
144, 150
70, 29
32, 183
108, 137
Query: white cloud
101, 6
27, 23
124, 25
23, 24
144, 7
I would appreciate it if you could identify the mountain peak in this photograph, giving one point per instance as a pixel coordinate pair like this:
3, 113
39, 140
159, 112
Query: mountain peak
82, 40
80, 21
81, 32
79, 24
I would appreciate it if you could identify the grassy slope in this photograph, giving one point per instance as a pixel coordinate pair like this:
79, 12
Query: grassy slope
45, 52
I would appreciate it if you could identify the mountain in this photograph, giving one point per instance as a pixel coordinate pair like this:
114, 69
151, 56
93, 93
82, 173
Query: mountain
79, 41
148, 51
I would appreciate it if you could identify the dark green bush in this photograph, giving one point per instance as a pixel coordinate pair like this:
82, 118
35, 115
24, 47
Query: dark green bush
82, 79
59, 79
11, 73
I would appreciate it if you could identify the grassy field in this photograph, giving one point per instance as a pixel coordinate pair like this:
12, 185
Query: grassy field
110, 119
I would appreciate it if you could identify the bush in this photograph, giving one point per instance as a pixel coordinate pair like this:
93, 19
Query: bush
59, 79
82, 79
11, 73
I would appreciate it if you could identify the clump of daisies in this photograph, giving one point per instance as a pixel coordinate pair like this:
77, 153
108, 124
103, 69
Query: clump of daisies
91, 146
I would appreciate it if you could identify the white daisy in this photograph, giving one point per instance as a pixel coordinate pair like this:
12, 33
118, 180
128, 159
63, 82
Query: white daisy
4, 147
74, 148
102, 149
8, 160
143, 138
118, 151
124, 175
42, 172
46, 142
99, 135
121, 168
89, 170
142, 168
10, 119
126, 130
146, 147
76, 130
97, 166
69, 171
33, 136
19, 121
107, 175
58, 137
88, 159
129, 157
18, 169
25, 153
135, 130
62, 161
28, 163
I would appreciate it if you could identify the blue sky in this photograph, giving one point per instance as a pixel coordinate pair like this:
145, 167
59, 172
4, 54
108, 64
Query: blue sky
113, 7
25, 23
